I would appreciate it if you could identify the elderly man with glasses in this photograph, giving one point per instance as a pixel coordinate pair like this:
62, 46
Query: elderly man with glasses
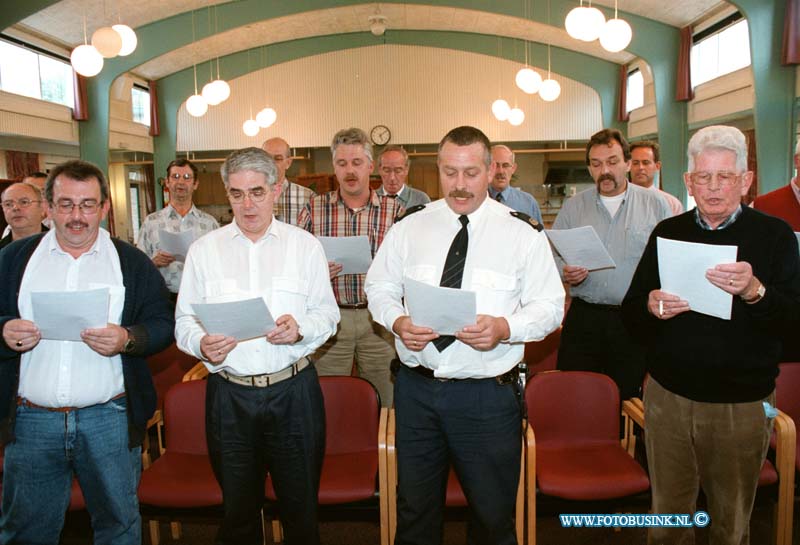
76, 407
179, 215
708, 404
23, 210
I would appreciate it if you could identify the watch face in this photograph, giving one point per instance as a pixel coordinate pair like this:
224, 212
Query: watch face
380, 135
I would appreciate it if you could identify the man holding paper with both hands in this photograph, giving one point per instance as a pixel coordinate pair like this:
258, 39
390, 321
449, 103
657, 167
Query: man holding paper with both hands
708, 403
264, 407
455, 396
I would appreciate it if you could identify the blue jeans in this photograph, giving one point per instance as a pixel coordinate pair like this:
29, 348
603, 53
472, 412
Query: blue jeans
92, 444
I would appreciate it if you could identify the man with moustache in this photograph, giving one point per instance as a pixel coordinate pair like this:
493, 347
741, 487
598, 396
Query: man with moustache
501, 190
353, 210
179, 215
594, 337
645, 164
23, 211
77, 408
292, 197
393, 166
455, 396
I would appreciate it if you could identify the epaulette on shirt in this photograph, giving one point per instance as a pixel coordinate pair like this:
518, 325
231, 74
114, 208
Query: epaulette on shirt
527, 219
409, 211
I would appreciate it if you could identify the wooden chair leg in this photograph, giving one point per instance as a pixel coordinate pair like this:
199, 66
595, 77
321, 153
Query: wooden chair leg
155, 532
277, 531
175, 530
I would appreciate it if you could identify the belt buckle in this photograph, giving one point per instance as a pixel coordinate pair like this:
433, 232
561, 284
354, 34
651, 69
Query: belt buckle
506, 378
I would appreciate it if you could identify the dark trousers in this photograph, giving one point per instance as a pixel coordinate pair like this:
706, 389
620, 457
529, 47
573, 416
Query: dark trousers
595, 339
473, 425
279, 429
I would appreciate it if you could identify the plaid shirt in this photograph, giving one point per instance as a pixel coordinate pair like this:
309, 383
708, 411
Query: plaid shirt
326, 215
291, 201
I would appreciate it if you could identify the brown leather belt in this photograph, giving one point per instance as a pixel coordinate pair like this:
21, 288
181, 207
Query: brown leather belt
22, 402
508, 377
357, 306
267, 379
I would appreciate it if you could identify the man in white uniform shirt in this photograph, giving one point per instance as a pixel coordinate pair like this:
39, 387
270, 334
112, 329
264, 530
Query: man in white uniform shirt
77, 407
456, 397
264, 407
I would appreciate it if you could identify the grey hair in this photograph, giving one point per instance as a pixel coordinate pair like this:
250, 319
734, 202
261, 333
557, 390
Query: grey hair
351, 137
399, 149
513, 155
719, 138
252, 159
38, 192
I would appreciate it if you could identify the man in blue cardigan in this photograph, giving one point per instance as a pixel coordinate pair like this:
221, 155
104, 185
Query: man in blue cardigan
70, 407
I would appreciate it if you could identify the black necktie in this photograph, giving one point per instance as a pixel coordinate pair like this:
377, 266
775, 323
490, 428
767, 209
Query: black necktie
499, 197
391, 196
453, 271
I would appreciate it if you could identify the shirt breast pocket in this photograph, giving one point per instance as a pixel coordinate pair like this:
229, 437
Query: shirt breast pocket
423, 273
288, 296
636, 241
497, 294
116, 300
221, 291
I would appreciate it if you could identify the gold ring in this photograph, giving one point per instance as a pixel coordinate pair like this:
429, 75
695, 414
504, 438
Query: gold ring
219, 352
19, 344
730, 282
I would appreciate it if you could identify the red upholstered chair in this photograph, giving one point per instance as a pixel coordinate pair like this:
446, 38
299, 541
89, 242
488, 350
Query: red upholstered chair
355, 459
181, 478
543, 355
572, 441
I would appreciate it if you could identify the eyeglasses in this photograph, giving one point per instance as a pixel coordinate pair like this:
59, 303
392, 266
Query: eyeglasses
724, 177
87, 207
22, 203
257, 194
187, 176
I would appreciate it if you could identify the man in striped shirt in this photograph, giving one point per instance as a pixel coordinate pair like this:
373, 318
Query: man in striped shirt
291, 197
353, 210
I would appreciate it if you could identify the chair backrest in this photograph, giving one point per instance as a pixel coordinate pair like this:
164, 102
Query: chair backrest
185, 418
543, 355
168, 368
352, 412
576, 407
787, 389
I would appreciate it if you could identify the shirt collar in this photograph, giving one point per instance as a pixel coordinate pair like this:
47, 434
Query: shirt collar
284, 186
728, 221
374, 198
174, 213
274, 230
54, 246
493, 192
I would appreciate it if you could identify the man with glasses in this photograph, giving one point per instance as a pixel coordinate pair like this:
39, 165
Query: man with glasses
76, 408
393, 164
500, 189
37, 180
291, 197
179, 215
709, 399
23, 210
264, 407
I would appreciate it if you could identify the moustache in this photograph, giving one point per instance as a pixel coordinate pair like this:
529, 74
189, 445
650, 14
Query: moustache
460, 194
609, 177
77, 225
351, 178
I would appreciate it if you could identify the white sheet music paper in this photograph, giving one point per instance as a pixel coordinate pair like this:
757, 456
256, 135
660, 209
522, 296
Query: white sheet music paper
445, 310
62, 315
241, 320
352, 253
682, 267
176, 244
581, 247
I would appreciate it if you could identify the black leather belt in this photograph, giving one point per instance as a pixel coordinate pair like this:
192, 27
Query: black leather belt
508, 377
357, 306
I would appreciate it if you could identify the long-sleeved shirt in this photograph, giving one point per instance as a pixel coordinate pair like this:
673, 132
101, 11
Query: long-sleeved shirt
286, 267
516, 280
408, 196
291, 201
518, 200
624, 236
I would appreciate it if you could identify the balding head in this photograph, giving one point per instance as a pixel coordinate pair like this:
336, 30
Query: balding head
23, 209
39, 179
278, 149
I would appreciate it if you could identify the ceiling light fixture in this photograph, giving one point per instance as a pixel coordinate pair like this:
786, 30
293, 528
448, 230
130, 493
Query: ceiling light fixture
528, 79
107, 41
196, 105
516, 116
585, 23
616, 34
501, 109
129, 39
85, 59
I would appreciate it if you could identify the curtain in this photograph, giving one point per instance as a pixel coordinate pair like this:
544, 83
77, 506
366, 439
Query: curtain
149, 188
790, 53
683, 86
622, 106
110, 219
19, 164
155, 128
80, 112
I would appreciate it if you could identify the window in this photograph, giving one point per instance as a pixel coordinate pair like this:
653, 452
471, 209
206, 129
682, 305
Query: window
24, 71
721, 49
635, 94
140, 99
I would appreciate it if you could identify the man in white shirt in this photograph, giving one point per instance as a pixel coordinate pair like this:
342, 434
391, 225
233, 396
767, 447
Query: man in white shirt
456, 397
645, 164
291, 197
393, 164
76, 407
179, 215
264, 407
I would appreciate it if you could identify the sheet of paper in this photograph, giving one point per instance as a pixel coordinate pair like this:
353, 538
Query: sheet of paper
352, 253
62, 315
242, 320
682, 267
176, 244
581, 247
445, 310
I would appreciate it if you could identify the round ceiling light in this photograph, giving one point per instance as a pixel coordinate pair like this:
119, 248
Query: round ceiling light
516, 117
575, 22
550, 90
250, 127
196, 105
211, 93
266, 117
528, 80
129, 39
501, 109
592, 24
223, 90
107, 41
616, 35
86, 60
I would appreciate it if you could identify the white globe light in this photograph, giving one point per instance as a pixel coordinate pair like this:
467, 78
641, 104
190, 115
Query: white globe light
516, 117
500, 109
196, 105
550, 90
592, 24
576, 21
211, 94
107, 41
266, 117
528, 80
129, 39
86, 60
616, 35
223, 90
250, 127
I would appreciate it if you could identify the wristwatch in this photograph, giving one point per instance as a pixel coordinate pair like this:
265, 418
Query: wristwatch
759, 295
130, 344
